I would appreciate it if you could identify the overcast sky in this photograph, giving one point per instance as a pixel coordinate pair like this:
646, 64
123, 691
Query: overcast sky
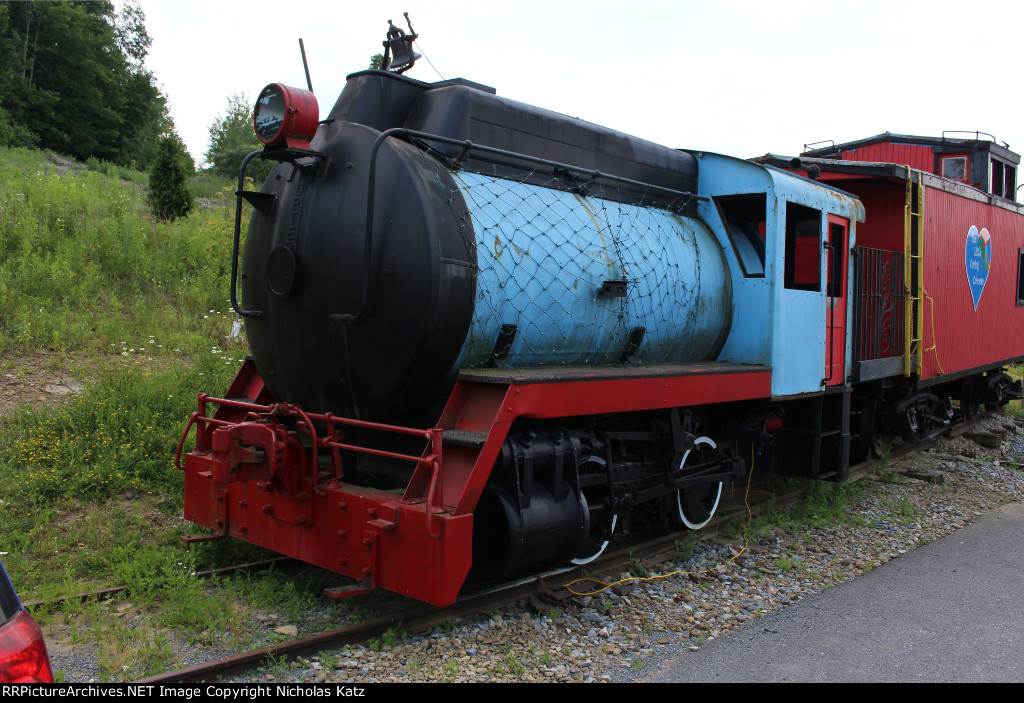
732, 76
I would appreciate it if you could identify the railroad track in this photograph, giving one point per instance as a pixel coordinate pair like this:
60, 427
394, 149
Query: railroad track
551, 584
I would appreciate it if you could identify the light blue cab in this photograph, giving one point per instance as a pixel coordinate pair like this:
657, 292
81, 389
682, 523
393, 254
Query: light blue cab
782, 316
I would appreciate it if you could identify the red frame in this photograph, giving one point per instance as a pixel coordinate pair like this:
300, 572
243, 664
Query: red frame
245, 479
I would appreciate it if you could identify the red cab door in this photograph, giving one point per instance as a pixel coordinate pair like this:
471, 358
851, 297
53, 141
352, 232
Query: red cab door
837, 254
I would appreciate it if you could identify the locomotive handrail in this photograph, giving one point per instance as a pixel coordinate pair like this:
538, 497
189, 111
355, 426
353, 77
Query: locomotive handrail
467, 146
431, 436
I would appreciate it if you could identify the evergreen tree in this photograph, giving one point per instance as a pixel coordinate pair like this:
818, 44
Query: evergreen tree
169, 196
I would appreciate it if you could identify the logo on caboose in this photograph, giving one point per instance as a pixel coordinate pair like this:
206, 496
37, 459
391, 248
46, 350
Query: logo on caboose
978, 261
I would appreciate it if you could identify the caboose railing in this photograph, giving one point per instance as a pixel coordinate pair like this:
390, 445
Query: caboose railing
878, 317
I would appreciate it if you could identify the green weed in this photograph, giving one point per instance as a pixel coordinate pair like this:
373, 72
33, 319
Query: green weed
825, 505
637, 568
685, 546
890, 476
907, 508
448, 671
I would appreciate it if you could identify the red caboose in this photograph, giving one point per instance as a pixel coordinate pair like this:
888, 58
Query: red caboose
940, 268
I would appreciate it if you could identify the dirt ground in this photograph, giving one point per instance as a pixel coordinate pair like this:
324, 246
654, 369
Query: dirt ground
36, 380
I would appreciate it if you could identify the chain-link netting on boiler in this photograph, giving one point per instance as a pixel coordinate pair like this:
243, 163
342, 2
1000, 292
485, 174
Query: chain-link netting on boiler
596, 274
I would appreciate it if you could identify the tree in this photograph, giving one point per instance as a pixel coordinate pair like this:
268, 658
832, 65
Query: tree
145, 116
232, 137
72, 80
169, 196
131, 36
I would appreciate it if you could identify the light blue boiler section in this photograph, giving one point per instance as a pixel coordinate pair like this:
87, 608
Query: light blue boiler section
543, 256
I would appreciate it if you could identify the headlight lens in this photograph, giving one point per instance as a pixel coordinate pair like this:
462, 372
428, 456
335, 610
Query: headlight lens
268, 116
285, 116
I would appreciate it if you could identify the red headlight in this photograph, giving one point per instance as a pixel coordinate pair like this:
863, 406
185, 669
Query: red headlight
286, 116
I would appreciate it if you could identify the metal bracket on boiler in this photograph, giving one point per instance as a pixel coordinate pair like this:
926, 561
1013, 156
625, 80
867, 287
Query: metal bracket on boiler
502, 346
612, 289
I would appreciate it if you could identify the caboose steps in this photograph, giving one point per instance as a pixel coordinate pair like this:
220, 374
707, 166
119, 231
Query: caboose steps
815, 437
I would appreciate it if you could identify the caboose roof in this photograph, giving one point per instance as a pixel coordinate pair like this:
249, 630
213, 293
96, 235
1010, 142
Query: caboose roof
943, 143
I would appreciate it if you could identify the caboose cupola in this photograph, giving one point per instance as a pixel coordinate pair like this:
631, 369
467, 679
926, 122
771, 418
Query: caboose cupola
967, 157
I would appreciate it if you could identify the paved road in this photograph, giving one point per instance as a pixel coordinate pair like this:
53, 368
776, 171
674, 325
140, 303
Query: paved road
952, 610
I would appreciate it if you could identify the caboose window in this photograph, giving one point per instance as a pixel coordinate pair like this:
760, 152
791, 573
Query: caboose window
745, 218
998, 188
836, 272
803, 248
954, 167
1020, 277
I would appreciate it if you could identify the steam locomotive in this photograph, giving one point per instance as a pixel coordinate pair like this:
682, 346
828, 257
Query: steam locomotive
598, 332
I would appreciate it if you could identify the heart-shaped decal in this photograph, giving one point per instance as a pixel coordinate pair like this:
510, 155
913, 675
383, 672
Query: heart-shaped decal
978, 260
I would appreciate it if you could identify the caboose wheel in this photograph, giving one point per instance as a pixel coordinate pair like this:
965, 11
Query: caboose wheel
602, 520
697, 504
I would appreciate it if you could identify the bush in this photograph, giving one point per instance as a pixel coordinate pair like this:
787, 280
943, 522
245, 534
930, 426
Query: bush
169, 196
13, 134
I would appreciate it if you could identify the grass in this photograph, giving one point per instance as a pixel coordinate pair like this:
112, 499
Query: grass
825, 505
892, 476
83, 265
739, 527
120, 172
908, 510
387, 640
89, 494
448, 671
637, 568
